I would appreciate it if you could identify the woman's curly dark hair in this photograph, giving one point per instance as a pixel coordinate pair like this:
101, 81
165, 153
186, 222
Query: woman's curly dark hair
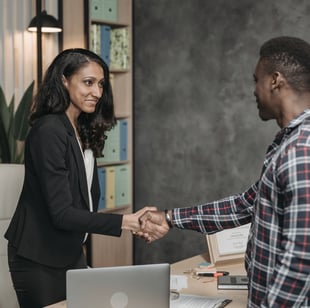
53, 97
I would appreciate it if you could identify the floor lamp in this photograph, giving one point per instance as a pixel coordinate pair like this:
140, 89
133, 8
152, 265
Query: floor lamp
42, 23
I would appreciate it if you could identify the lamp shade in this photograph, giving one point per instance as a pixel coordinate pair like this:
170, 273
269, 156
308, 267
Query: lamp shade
49, 23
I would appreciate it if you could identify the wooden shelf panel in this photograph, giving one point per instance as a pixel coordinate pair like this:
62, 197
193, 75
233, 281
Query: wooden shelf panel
107, 250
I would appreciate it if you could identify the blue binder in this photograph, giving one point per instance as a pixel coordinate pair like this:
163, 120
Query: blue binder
102, 185
123, 139
105, 41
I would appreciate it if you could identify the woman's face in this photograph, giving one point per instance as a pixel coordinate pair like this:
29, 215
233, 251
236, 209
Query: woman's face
85, 87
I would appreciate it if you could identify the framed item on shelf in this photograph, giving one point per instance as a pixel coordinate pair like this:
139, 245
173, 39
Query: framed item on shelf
228, 246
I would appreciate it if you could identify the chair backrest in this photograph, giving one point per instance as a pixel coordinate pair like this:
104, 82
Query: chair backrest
11, 181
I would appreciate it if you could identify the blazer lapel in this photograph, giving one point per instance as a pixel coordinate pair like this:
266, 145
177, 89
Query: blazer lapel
78, 158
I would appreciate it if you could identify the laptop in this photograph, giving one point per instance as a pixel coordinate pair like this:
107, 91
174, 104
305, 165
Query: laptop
119, 287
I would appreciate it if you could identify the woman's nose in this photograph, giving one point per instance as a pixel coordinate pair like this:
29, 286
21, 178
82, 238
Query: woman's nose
97, 91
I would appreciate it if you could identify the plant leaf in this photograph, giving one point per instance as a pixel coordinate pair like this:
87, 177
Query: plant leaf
5, 154
21, 125
5, 111
9, 133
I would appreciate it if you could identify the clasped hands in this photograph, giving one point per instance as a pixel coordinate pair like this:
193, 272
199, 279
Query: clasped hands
147, 223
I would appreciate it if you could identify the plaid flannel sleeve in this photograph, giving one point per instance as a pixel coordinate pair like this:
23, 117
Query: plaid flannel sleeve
218, 215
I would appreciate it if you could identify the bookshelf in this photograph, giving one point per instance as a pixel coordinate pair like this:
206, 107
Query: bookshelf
90, 19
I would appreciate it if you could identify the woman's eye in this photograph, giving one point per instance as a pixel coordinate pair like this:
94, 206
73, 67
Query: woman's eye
101, 84
88, 82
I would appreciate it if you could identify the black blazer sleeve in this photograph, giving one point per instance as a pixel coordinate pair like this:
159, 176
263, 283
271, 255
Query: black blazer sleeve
53, 214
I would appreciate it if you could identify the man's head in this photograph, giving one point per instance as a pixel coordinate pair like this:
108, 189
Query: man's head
290, 56
283, 71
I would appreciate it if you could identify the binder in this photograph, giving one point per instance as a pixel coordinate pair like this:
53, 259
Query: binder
123, 139
110, 187
95, 39
119, 51
105, 42
102, 185
122, 185
104, 10
111, 151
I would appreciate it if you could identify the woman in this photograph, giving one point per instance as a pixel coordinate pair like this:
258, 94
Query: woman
57, 207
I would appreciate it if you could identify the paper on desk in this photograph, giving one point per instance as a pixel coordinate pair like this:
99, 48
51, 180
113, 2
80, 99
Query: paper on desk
178, 282
195, 301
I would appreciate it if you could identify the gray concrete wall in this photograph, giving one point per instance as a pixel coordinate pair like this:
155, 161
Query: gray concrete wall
198, 136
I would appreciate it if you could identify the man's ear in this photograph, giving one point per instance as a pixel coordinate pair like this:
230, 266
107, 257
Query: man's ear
277, 81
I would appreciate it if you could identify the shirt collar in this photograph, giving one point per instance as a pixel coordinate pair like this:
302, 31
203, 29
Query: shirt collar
298, 120
292, 125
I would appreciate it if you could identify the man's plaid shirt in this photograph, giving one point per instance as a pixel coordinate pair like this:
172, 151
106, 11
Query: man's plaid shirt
278, 207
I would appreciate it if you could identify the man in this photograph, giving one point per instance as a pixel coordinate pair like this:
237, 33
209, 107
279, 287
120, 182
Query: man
278, 204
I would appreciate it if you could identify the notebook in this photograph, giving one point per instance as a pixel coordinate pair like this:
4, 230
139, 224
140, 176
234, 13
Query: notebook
119, 287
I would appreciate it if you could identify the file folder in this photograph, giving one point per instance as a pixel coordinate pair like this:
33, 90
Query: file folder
122, 185
95, 39
104, 10
110, 187
123, 139
111, 149
119, 52
102, 185
105, 43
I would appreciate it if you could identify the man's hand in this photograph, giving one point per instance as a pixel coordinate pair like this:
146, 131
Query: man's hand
154, 224
132, 222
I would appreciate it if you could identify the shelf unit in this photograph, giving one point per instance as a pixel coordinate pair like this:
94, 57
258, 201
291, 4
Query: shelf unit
107, 250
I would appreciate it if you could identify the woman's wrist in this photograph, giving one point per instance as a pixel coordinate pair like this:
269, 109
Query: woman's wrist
130, 222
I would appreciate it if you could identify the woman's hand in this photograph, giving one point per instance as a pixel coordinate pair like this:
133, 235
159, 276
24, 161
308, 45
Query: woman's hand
131, 221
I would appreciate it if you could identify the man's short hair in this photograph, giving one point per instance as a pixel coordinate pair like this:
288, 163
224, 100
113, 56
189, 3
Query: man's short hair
291, 57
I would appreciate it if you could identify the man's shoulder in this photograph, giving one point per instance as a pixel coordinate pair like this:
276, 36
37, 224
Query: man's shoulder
303, 133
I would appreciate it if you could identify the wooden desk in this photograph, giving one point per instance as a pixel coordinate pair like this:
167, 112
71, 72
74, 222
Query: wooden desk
207, 286
203, 286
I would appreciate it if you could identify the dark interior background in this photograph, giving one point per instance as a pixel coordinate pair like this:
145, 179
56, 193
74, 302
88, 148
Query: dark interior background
198, 136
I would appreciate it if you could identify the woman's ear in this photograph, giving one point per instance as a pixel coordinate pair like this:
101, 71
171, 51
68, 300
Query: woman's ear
64, 80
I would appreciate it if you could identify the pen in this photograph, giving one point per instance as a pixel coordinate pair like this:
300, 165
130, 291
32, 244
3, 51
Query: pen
213, 274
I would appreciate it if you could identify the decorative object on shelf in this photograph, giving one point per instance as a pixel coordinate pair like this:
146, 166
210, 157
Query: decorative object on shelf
14, 127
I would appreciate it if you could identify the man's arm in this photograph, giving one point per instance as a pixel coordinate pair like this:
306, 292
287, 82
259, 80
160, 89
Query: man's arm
208, 218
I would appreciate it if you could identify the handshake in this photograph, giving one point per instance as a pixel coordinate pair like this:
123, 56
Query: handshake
148, 223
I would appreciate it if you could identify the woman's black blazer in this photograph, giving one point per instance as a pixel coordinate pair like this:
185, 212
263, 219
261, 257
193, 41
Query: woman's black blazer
52, 215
